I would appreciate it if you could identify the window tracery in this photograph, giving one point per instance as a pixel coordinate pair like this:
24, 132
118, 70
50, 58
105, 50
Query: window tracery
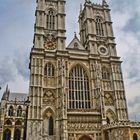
11, 111
7, 134
19, 111
49, 70
50, 19
105, 74
79, 95
99, 27
17, 134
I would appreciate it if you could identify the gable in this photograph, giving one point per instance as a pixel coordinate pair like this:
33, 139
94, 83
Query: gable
75, 44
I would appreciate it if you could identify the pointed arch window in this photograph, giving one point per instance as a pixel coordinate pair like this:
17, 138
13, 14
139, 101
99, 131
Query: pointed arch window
49, 70
18, 122
135, 136
7, 134
51, 125
105, 73
99, 27
8, 122
50, 19
11, 111
19, 111
79, 96
17, 134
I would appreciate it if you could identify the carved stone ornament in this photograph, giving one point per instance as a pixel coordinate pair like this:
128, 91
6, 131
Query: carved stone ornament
50, 42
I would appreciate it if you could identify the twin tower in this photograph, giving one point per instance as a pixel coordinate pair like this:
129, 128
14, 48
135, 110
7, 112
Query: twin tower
76, 91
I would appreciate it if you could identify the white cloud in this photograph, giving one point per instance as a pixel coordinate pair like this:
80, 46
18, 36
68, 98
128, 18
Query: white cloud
17, 33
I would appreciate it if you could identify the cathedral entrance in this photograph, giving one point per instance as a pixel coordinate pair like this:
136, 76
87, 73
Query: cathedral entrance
85, 138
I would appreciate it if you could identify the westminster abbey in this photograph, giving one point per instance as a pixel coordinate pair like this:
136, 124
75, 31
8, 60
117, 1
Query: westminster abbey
76, 91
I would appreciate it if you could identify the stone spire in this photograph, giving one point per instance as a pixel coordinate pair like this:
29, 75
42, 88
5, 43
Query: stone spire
6, 93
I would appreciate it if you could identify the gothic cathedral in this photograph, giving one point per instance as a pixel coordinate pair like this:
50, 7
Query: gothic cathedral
76, 92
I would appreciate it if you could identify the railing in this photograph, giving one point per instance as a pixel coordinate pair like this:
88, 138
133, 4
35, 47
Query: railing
121, 124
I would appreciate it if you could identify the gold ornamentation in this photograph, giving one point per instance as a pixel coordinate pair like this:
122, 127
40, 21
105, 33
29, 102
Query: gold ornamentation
50, 41
50, 45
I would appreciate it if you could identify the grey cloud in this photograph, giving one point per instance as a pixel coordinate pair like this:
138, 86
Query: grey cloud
7, 70
132, 65
21, 60
133, 24
134, 105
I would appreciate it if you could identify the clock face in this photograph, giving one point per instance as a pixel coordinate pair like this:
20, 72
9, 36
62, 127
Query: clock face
102, 50
50, 41
49, 45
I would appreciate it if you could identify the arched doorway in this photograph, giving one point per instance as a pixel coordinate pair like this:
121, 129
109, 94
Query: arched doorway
85, 138
17, 134
135, 136
7, 134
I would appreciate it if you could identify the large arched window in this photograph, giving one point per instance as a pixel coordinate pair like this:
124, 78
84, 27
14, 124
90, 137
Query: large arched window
51, 125
135, 136
17, 134
79, 96
99, 27
50, 19
19, 111
6, 134
49, 70
11, 111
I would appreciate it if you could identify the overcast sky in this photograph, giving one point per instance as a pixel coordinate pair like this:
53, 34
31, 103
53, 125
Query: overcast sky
16, 35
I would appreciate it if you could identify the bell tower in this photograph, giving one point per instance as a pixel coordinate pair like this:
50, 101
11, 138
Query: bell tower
96, 28
50, 25
44, 119
96, 35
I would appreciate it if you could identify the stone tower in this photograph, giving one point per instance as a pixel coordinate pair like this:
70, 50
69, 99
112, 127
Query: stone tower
74, 89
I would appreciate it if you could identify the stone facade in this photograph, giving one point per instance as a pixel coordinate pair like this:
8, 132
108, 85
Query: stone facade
13, 116
76, 92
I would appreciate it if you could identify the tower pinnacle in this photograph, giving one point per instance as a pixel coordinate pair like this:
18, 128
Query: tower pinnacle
104, 2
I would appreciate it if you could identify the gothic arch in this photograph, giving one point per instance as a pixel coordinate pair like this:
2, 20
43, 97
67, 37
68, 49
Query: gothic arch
135, 136
105, 73
99, 24
18, 122
82, 65
110, 116
19, 111
85, 137
48, 122
17, 134
49, 69
7, 134
79, 88
8, 122
48, 109
51, 18
11, 111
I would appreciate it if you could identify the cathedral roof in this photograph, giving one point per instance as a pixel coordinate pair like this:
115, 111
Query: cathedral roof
75, 44
18, 96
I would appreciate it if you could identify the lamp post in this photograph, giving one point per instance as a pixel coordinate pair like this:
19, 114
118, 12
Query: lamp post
27, 102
